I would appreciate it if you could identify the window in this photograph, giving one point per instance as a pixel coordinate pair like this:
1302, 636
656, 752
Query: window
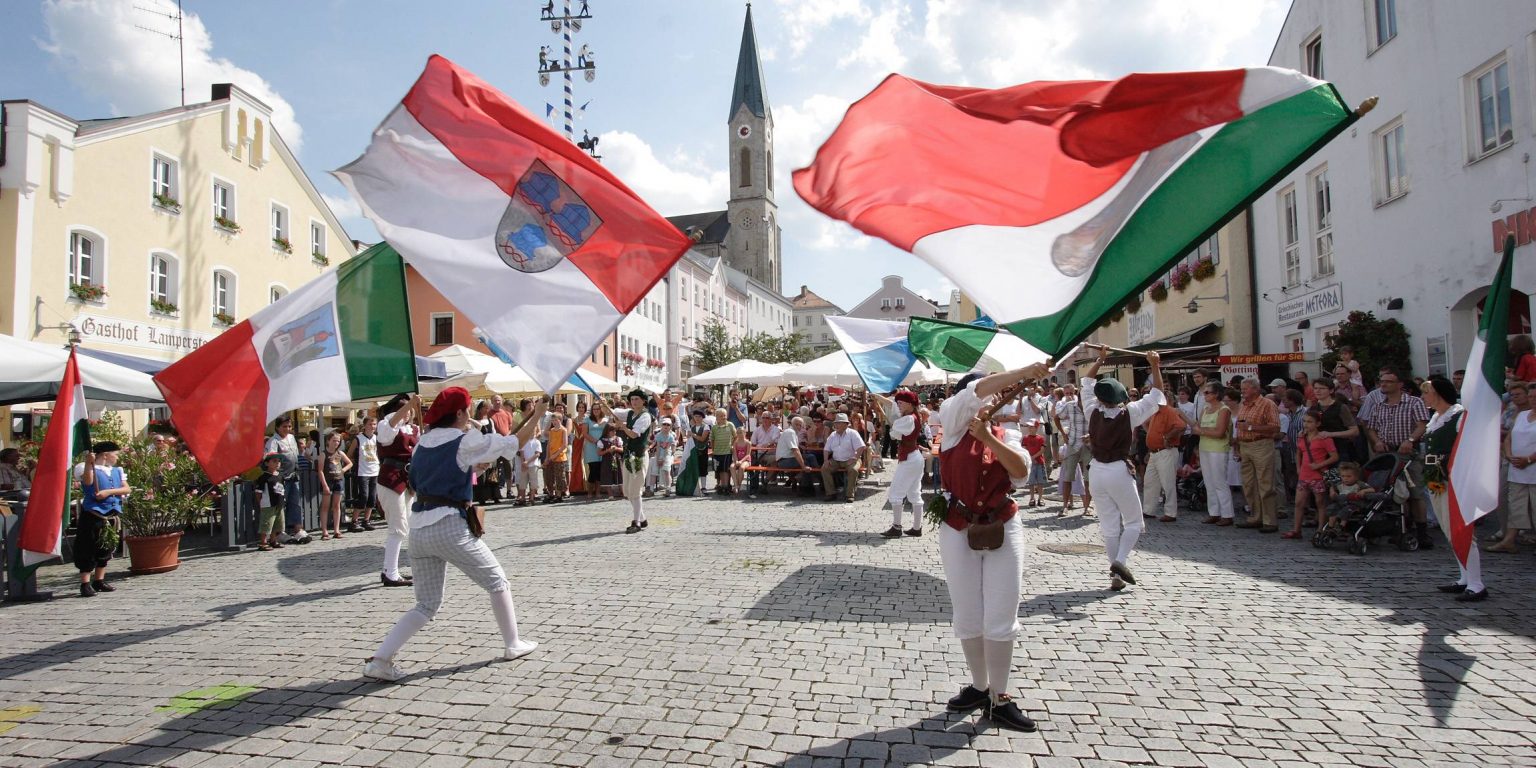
442, 329
768, 169
1384, 19
1290, 237
223, 202
162, 181
1210, 249
1295, 343
223, 293
885, 305
1391, 161
744, 161
1322, 222
1491, 92
1312, 56
279, 223
1329, 335
84, 270
605, 353
797, 321
163, 282
901, 303
317, 239
276, 294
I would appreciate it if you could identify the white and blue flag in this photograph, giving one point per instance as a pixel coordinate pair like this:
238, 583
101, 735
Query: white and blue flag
878, 349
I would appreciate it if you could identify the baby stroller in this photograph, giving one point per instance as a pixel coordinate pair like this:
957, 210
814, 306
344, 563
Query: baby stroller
1191, 492
1378, 514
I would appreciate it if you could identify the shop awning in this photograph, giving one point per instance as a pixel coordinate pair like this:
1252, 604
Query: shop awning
140, 364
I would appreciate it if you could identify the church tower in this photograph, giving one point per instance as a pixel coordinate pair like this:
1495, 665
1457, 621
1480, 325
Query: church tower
753, 244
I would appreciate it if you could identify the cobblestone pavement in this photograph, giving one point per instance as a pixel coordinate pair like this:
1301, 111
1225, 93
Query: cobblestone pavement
780, 632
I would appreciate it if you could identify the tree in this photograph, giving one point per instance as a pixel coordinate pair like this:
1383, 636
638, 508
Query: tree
716, 349
1376, 343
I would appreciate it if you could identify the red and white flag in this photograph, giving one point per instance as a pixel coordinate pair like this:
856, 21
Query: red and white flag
69, 434
537, 244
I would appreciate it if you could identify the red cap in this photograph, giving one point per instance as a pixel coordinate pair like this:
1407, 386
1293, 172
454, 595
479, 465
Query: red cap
447, 402
907, 396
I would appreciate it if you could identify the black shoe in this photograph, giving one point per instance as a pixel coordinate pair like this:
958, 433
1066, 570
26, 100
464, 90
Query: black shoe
893, 532
354, 528
86, 591
1006, 714
403, 581
632, 528
1473, 597
914, 531
1454, 589
645, 524
102, 586
1123, 572
367, 526
969, 699
1269, 529
1116, 584
1426, 541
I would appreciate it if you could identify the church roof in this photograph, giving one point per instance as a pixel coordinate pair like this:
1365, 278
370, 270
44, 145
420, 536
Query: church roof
749, 75
714, 224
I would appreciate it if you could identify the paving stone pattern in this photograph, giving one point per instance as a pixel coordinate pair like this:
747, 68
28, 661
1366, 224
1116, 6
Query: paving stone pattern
776, 632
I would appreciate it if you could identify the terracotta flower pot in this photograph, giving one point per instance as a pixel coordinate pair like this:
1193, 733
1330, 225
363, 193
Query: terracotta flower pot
154, 554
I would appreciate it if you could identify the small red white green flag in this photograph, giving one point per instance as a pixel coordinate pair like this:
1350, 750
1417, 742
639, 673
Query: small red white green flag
341, 337
69, 435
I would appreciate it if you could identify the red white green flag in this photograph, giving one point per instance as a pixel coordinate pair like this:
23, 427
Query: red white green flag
69, 435
1087, 190
1474, 478
343, 336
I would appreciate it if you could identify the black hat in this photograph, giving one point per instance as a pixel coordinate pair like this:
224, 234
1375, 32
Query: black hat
638, 392
105, 446
395, 403
1110, 392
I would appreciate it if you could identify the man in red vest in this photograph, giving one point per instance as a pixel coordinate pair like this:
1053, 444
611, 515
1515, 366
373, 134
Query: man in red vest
981, 542
906, 482
397, 441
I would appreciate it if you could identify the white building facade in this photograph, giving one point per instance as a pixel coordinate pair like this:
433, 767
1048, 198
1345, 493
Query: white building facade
643, 342
699, 290
810, 321
1401, 214
894, 301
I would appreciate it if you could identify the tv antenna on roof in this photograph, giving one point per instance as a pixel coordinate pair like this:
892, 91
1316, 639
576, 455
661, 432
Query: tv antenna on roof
181, 48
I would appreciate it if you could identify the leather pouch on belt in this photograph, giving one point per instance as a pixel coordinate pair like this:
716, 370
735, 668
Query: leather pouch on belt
985, 531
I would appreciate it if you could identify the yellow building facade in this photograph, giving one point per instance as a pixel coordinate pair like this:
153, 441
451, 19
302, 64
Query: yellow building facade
151, 234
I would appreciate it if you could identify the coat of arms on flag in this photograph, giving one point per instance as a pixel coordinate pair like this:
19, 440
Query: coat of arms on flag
544, 222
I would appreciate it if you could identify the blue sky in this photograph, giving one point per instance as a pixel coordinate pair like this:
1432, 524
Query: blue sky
334, 68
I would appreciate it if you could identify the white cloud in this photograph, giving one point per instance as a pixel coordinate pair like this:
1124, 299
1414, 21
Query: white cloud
803, 20
668, 188
100, 47
343, 205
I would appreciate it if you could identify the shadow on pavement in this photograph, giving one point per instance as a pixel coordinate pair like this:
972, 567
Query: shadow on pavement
70, 651
925, 742
316, 565
855, 593
235, 609
208, 729
825, 538
564, 540
1064, 606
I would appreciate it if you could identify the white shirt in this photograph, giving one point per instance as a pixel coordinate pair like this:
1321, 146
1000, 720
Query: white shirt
955, 416
789, 442
1141, 410
1522, 442
475, 448
387, 431
843, 447
530, 454
367, 455
1192, 410
765, 437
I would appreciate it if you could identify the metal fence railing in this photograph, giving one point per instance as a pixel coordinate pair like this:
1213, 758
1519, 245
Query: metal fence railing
241, 515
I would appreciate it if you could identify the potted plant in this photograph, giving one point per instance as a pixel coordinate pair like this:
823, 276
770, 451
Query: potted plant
282, 244
166, 498
320, 259
1205, 269
168, 203
88, 291
1158, 291
163, 307
1134, 305
223, 318
226, 223
1180, 277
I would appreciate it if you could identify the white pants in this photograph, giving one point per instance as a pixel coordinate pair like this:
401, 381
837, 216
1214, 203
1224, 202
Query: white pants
1119, 509
907, 486
397, 510
660, 471
1161, 481
984, 586
633, 484
1218, 495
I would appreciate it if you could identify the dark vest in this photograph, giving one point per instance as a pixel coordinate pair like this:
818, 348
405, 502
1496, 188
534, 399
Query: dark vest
976, 479
637, 445
394, 459
435, 471
1111, 439
908, 444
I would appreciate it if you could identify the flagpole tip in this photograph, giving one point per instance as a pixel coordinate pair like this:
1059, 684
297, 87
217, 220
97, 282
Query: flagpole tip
1366, 106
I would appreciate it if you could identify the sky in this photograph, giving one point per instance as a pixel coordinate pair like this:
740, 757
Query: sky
332, 70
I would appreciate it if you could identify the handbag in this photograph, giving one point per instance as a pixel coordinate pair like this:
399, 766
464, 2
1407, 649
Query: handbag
1331, 474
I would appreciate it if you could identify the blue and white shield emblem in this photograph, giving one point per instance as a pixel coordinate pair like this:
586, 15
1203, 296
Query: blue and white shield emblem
545, 222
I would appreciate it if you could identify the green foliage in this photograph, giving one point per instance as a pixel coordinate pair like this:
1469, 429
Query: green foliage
110, 427
715, 348
1376, 343
165, 485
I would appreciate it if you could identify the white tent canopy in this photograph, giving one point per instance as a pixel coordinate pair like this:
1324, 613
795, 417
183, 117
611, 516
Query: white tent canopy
602, 384
833, 369
1007, 352
922, 375
32, 372
500, 377
744, 372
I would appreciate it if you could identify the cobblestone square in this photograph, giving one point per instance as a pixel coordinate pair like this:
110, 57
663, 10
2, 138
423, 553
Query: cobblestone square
780, 631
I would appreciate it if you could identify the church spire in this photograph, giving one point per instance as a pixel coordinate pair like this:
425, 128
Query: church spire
749, 75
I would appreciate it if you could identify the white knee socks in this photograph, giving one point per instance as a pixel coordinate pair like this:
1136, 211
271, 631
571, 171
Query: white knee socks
639, 514
506, 618
999, 664
392, 556
976, 659
409, 624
